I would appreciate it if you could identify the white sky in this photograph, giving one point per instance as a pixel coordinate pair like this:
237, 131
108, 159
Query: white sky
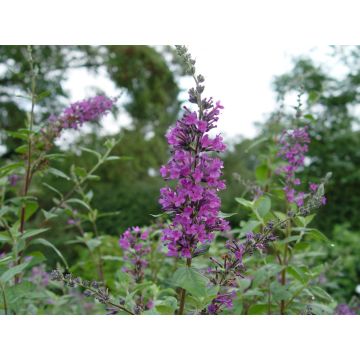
239, 76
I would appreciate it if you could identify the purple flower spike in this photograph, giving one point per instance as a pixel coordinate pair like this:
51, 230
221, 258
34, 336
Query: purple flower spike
135, 247
193, 202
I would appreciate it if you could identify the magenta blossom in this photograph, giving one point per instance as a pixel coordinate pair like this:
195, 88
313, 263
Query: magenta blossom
222, 300
135, 247
193, 202
294, 146
78, 113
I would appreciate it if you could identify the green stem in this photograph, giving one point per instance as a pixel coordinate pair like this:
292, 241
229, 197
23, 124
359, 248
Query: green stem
285, 263
29, 153
81, 182
4, 299
29, 150
183, 294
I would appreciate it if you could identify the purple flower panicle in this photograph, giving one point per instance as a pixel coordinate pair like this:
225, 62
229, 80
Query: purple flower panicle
193, 201
344, 309
222, 300
87, 110
78, 113
135, 247
294, 146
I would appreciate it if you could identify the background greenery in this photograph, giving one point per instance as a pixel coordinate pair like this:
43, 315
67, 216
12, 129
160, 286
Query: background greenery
149, 78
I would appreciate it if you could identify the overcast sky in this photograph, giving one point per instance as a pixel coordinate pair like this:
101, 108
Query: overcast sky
239, 76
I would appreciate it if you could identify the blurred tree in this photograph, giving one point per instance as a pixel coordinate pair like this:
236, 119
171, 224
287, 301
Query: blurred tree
333, 105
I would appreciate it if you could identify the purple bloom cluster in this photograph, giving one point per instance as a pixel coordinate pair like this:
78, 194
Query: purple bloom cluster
221, 301
294, 146
13, 179
225, 272
193, 202
77, 114
344, 309
84, 111
134, 244
39, 276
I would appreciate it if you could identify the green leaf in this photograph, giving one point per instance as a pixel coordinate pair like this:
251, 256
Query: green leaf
58, 173
93, 177
80, 202
258, 309
249, 226
90, 151
20, 134
12, 272
5, 259
112, 158
158, 215
8, 169
304, 221
246, 203
43, 95
30, 209
190, 280
262, 206
22, 149
53, 247
256, 143
225, 215
32, 232
92, 244
279, 292
281, 216
79, 171
321, 309
315, 234
262, 173
166, 306
297, 274
321, 294
48, 215
53, 189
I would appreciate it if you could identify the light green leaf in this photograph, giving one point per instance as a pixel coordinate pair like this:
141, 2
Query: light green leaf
262, 206
246, 203
12, 272
50, 245
58, 173
190, 280
90, 151
262, 173
48, 215
32, 232
225, 215
30, 209
78, 201
315, 234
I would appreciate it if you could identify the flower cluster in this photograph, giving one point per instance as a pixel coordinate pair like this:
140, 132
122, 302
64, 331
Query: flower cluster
294, 146
134, 243
221, 300
344, 309
13, 179
84, 111
39, 275
77, 114
225, 272
193, 202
